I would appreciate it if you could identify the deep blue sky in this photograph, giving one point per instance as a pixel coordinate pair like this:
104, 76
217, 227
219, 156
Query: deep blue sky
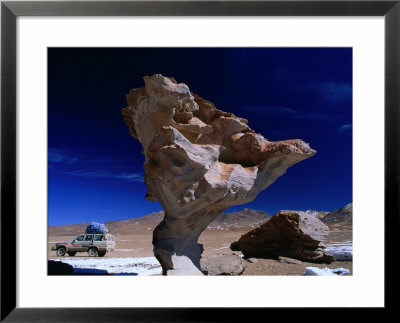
95, 166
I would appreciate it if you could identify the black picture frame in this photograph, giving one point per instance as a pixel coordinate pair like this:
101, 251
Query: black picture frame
10, 10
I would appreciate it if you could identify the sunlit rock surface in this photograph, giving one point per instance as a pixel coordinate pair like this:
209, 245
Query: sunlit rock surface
199, 161
291, 234
229, 265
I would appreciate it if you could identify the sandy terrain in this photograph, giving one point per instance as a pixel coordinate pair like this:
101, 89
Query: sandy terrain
139, 244
217, 242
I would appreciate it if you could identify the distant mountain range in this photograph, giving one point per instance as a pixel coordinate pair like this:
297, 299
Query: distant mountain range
245, 220
344, 214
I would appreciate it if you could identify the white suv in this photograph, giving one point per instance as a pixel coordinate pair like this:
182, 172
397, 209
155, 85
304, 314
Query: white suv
96, 244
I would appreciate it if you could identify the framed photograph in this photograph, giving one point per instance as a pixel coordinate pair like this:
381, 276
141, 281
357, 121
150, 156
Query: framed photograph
158, 139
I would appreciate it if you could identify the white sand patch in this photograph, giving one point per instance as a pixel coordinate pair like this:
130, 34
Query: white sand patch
315, 271
336, 245
223, 247
341, 252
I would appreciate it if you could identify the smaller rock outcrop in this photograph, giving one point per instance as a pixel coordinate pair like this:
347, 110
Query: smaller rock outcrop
292, 234
228, 265
286, 260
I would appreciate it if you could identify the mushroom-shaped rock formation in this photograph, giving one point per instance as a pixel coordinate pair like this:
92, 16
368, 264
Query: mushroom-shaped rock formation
199, 161
291, 234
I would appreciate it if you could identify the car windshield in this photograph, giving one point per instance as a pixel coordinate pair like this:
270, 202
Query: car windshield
79, 238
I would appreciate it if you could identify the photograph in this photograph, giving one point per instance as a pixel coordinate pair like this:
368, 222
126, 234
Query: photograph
206, 161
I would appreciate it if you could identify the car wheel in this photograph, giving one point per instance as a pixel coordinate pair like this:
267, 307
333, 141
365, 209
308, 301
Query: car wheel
102, 254
71, 254
61, 251
93, 252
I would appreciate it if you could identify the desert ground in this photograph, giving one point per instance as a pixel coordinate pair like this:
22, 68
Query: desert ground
217, 242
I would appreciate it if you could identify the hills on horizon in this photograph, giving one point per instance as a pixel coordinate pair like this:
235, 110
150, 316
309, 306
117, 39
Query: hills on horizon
245, 219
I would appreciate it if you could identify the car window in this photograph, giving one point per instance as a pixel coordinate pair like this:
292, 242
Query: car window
98, 237
79, 238
89, 237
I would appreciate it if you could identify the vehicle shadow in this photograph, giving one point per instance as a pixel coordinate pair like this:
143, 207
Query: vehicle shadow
58, 268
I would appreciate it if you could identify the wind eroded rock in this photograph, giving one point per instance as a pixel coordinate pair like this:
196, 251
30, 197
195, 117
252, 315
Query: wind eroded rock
199, 161
291, 234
